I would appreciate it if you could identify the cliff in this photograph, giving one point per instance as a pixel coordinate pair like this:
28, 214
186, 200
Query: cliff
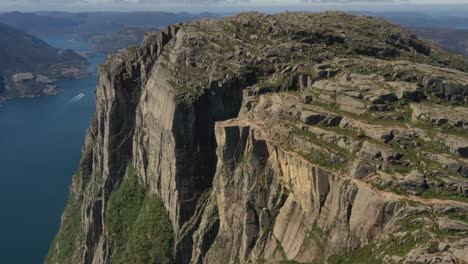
292, 138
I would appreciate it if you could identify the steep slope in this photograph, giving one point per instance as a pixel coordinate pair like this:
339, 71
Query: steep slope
296, 137
29, 63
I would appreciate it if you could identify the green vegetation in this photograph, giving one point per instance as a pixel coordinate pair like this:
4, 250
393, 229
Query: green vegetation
446, 128
415, 231
185, 94
401, 246
444, 194
282, 82
431, 193
342, 131
412, 234
458, 217
280, 248
65, 247
335, 161
138, 226
373, 253
123, 209
151, 238
363, 255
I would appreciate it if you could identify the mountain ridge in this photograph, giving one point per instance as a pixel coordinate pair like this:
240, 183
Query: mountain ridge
91, 23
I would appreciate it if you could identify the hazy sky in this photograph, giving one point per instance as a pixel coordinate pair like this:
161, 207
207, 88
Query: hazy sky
188, 5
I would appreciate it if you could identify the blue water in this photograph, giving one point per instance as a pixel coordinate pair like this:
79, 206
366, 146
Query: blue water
40, 147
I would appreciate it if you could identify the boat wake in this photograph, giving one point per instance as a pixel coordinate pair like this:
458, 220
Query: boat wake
77, 98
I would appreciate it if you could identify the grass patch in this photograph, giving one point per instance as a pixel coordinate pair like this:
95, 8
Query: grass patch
462, 218
185, 94
280, 248
371, 253
282, 82
443, 195
320, 158
363, 255
123, 209
151, 237
414, 234
138, 226
402, 246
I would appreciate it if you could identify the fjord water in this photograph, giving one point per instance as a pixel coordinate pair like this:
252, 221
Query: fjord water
40, 148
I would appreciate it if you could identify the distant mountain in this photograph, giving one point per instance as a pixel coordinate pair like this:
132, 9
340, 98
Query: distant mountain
37, 24
46, 23
29, 65
449, 31
112, 42
423, 19
454, 40
107, 31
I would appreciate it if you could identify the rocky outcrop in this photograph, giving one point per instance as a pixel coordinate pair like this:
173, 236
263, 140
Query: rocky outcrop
457, 116
29, 85
275, 205
270, 140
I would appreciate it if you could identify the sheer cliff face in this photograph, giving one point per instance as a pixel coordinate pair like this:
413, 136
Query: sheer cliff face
296, 137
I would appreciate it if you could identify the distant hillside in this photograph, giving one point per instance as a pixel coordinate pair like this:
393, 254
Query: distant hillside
46, 23
107, 31
124, 38
30, 65
454, 40
33, 23
447, 31
423, 19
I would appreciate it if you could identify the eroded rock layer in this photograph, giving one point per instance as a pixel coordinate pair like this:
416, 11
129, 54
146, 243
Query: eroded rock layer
327, 138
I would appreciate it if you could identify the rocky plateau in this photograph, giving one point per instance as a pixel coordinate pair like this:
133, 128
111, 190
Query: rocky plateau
288, 138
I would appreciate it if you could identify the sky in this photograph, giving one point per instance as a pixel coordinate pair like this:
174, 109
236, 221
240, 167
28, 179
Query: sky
208, 5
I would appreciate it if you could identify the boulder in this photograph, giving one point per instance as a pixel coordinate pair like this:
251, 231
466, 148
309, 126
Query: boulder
450, 225
360, 170
415, 180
